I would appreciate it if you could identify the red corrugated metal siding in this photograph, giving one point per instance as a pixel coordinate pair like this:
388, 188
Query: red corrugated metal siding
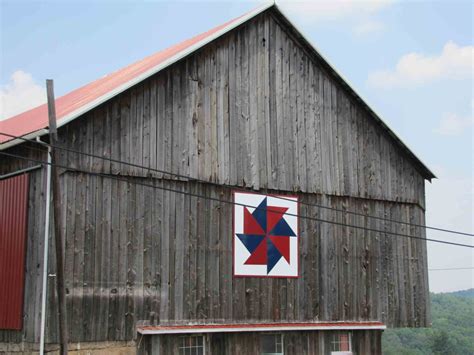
13, 228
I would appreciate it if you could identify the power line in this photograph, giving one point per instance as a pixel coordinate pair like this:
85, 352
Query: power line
234, 187
453, 268
127, 180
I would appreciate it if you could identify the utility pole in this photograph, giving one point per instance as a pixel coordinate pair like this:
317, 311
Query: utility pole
53, 139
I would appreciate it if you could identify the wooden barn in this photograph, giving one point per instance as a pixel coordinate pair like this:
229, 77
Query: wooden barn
218, 197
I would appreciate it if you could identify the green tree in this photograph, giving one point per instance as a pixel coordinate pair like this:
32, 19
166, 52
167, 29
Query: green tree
442, 344
452, 331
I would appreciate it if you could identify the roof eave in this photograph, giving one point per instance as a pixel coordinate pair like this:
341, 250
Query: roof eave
15, 141
258, 327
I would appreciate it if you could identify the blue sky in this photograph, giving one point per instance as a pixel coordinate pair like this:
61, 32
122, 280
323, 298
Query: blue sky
411, 61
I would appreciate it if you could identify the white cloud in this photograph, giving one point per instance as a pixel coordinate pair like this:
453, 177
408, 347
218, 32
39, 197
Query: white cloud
357, 14
454, 62
330, 10
369, 27
452, 124
449, 204
20, 94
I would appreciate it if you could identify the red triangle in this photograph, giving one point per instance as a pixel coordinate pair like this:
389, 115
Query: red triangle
274, 214
259, 255
283, 246
251, 226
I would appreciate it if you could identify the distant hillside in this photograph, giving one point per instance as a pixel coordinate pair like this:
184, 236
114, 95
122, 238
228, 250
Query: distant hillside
452, 331
463, 293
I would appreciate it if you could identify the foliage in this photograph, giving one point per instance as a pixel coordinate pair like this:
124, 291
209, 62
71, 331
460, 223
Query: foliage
452, 331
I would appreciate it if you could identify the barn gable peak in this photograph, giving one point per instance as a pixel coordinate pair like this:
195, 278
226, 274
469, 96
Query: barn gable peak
33, 123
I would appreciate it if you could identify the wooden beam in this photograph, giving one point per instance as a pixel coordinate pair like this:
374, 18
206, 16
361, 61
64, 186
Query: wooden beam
53, 137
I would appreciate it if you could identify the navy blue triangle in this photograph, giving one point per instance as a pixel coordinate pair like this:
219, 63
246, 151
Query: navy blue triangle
260, 214
282, 229
273, 255
250, 241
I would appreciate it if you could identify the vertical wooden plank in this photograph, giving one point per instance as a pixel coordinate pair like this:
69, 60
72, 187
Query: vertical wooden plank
134, 131
282, 107
88, 263
123, 190
111, 267
232, 110
214, 258
183, 286
200, 116
325, 144
302, 113
168, 136
131, 267
354, 165
103, 225
192, 250
262, 98
192, 128
172, 243
253, 108
241, 113
153, 126
292, 118
276, 103
70, 187
96, 278
165, 259
213, 139
148, 265
103, 259
225, 91
138, 256
177, 120
156, 254
160, 126
206, 134
332, 131
201, 262
313, 145
76, 328
270, 115
146, 120
226, 257
220, 116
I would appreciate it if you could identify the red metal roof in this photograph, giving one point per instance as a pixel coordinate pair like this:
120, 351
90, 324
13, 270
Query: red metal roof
257, 327
85, 98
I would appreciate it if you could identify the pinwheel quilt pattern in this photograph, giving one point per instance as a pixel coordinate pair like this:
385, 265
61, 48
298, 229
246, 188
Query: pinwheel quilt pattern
265, 235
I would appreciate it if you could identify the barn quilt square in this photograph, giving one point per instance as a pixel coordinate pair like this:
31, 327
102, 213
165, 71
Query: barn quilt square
265, 235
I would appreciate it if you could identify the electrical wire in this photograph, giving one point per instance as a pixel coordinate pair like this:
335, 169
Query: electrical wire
127, 180
234, 187
453, 268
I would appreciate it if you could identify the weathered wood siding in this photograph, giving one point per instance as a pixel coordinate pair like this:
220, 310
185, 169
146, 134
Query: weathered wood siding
135, 254
251, 109
301, 343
